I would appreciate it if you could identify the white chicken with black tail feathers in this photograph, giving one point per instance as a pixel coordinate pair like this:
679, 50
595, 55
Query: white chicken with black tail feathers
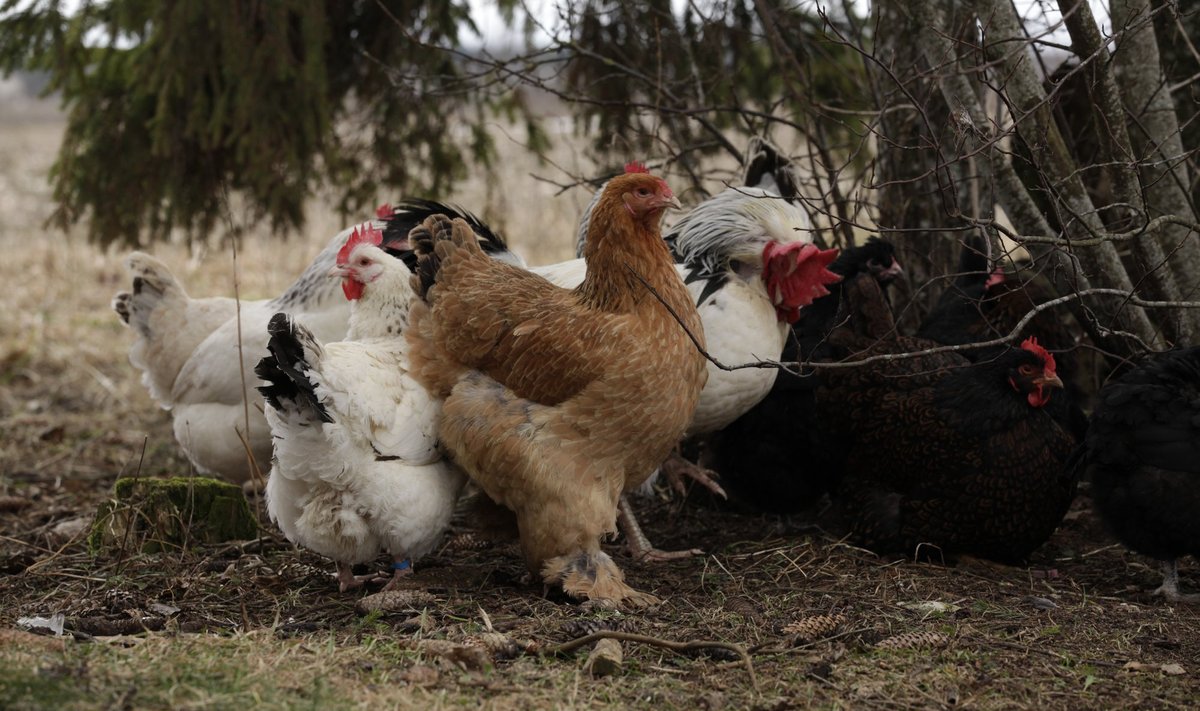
188, 351
356, 469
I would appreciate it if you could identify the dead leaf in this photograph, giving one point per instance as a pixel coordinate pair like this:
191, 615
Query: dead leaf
1173, 669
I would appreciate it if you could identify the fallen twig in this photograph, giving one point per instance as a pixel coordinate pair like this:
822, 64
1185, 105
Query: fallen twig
680, 647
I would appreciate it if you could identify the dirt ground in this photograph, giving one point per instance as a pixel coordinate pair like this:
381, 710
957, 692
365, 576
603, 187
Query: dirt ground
823, 624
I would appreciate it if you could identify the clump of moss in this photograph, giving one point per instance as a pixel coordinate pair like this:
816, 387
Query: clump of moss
153, 515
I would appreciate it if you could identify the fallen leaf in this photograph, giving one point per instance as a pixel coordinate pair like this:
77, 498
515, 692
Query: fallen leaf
925, 608
1173, 669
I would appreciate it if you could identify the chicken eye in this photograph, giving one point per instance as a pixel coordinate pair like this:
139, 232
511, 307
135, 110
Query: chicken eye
1027, 369
643, 192
363, 261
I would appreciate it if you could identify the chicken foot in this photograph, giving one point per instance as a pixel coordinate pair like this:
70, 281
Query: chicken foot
677, 467
1170, 585
594, 576
401, 567
637, 542
347, 580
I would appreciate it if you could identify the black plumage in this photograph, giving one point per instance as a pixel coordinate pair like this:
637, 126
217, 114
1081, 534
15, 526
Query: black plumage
283, 373
939, 451
1143, 453
400, 219
984, 303
772, 457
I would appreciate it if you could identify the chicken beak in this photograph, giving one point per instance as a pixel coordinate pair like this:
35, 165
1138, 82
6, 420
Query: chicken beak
340, 271
672, 202
891, 272
1052, 381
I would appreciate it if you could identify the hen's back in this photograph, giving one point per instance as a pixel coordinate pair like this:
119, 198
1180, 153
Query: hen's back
1143, 451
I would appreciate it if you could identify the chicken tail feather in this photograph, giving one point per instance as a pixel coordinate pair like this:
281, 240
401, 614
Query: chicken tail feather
434, 240
292, 349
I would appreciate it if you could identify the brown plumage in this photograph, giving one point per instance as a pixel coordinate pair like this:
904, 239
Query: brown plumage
942, 452
556, 399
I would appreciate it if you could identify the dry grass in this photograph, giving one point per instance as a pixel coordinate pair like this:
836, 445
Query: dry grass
264, 626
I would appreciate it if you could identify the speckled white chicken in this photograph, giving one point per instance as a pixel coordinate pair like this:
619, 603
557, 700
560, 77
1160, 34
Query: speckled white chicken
356, 469
187, 349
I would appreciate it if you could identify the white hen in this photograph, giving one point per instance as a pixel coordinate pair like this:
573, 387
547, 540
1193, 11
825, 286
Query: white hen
187, 350
357, 469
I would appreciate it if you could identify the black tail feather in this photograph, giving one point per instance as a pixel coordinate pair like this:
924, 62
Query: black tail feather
763, 158
282, 370
410, 213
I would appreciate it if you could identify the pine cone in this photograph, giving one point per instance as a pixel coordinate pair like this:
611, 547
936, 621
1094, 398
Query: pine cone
394, 601
582, 627
814, 627
914, 640
466, 542
498, 645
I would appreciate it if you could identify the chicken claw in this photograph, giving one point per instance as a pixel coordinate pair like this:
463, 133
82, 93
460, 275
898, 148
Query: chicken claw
594, 576
347, 580
677, 467
1170, 585
639, 545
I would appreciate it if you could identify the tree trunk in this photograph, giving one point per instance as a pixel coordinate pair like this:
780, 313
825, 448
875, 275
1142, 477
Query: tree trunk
1157, 141
1006, 49
916, 182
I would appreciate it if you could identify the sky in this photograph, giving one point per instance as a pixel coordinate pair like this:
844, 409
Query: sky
496, 35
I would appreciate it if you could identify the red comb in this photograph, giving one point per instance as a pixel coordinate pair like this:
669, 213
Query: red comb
1048, 366
796, 274
365, 233
636, 167
385, 211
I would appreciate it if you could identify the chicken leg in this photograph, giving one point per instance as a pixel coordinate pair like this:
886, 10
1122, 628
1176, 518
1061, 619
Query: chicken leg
676, 467
347, 580
637, 542
1170, 585
401, 567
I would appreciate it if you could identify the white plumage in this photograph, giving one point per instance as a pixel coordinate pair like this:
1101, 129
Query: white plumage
357, 470
187, 350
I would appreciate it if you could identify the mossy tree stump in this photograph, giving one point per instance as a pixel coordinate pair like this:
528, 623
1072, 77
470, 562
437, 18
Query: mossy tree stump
153, 515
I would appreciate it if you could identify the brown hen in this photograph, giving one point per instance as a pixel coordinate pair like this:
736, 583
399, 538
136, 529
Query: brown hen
557, 400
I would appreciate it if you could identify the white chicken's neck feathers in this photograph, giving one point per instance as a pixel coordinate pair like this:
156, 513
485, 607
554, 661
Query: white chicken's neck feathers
736, 221
382, 310
314, 288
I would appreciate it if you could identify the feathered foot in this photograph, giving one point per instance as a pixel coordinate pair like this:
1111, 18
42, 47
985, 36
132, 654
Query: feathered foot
594, 576
1170, 585
347, 580
637, 542
400, 568
677, 467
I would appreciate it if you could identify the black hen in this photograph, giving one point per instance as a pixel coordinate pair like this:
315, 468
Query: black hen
942, 452
1143, 452
772, 457
984, 303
